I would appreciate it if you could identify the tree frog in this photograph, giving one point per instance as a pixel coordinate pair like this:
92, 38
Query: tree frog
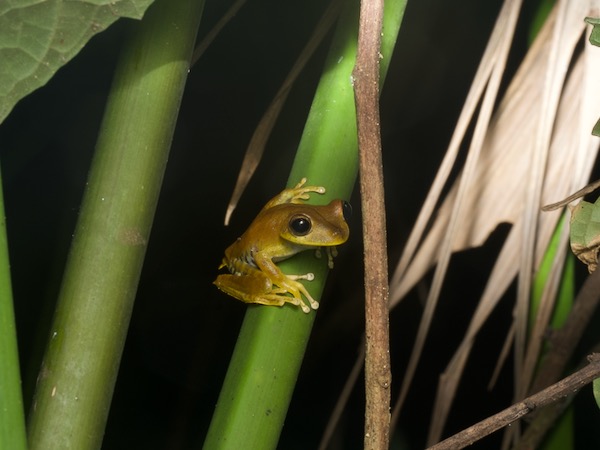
284, 227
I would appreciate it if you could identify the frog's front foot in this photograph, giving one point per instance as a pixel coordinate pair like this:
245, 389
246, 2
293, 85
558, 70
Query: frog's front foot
308, 277
331, 253
290, 285
301, 192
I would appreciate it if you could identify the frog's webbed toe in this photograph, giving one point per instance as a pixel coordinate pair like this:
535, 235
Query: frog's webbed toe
279, 297
307, 276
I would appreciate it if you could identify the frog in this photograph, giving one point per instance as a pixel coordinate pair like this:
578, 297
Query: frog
284, 227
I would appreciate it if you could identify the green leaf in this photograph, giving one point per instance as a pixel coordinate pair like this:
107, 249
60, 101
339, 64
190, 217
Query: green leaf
38, 38
585, 232
595, 35
596, 130
596, 390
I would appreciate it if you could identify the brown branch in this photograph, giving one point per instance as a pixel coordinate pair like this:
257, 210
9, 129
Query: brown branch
580, 193
377, 359
552, 394
562, 343
541, 422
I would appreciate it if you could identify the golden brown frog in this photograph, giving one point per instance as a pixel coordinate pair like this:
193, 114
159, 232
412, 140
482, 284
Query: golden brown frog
284, 227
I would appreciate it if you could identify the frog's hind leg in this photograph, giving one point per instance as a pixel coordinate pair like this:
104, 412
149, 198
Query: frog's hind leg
286, 284
278, 298
257, 289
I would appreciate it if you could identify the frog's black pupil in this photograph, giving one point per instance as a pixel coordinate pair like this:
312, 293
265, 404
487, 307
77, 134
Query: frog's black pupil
300, 225
347, 210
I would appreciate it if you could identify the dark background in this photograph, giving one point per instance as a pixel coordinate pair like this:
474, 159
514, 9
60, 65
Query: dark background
183, 330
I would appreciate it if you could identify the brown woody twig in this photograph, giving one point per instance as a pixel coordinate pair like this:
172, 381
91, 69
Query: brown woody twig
556, 392
366, 94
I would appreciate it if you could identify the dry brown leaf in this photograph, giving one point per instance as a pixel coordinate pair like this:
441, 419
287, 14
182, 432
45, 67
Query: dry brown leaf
498, 47
498, 193
262, 132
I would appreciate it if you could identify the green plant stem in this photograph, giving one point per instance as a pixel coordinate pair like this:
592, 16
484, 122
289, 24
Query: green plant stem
543, 427
79, 370
264, 367
12, 416
566, 293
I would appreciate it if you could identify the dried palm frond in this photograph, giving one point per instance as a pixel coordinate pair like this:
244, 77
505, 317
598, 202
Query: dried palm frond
537, 149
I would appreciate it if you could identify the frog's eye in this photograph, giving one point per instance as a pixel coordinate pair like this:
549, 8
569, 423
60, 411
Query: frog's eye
300, 225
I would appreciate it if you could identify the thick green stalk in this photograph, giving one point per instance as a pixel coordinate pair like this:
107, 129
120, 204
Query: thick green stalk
12, 417
80, 366
566, 293
264, 367
561, 436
